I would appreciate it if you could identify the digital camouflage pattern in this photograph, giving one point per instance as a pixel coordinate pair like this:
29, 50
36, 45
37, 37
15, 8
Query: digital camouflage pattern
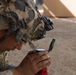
3, 61
7, 72
21, 18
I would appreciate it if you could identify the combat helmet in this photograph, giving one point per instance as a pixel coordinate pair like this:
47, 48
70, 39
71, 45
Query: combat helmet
22, 19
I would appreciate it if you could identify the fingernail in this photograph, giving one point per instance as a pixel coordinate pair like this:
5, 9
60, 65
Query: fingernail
46, 51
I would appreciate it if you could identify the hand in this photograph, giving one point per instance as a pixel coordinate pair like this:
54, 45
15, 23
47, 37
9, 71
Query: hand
33, 63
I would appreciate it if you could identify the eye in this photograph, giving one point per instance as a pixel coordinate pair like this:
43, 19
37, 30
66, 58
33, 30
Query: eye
0, 4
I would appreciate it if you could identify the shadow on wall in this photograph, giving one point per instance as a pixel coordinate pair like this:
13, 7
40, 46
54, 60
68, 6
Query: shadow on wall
56, 8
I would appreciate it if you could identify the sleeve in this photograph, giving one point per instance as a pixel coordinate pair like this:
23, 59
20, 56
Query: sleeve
7, 72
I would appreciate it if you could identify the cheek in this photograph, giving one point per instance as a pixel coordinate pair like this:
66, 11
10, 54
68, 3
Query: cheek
8, 43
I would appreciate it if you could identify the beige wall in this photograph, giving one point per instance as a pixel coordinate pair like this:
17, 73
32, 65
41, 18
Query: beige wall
55, 8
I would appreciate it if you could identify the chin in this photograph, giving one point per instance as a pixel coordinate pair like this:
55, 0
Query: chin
3, 50
11, 49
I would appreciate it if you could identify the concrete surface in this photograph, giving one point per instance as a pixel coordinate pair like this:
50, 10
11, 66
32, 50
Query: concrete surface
63, 54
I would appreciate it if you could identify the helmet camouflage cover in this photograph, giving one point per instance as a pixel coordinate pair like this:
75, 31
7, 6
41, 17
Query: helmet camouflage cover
21, 18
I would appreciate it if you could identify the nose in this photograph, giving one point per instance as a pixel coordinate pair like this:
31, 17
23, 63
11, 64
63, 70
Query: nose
18, 46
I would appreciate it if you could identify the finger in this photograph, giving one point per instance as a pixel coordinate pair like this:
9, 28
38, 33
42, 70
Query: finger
37, 55
31, 52
44, 64
41, 58
42, 53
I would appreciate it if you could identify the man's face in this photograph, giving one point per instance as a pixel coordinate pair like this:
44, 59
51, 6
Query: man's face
9, 43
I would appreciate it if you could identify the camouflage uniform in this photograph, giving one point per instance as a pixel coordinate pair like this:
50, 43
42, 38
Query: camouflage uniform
21, 18
7, 72
2, 61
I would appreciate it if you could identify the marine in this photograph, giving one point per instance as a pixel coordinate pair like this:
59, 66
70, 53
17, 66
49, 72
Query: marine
21, 19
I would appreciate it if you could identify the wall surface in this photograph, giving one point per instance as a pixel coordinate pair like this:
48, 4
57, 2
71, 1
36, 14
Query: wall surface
60, 8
